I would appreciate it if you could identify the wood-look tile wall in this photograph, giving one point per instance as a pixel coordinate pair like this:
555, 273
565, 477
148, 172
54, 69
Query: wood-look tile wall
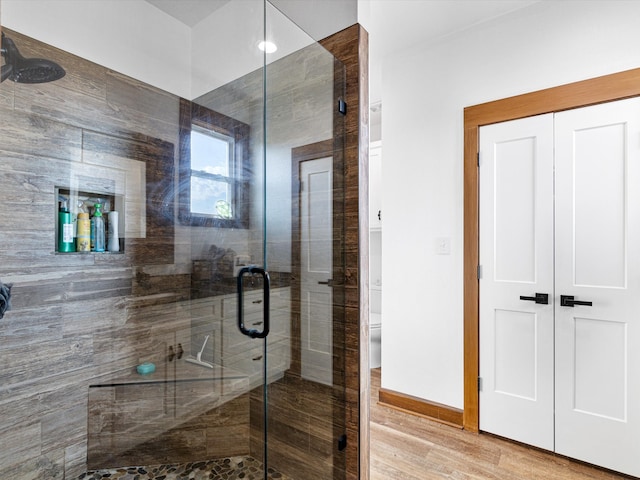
76, 318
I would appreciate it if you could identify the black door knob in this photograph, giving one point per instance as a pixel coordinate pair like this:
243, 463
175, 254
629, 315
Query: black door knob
568, 301
541, 298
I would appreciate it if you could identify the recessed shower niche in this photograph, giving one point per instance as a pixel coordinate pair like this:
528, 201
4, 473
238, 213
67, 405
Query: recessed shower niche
75, 202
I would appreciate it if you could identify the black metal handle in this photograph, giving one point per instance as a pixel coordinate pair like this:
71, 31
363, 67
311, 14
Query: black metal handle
568, 301
267, 283
541, 298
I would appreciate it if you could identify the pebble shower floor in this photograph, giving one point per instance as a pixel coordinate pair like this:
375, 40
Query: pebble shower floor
234, 468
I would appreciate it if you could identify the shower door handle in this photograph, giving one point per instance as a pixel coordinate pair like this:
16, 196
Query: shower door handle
253, 333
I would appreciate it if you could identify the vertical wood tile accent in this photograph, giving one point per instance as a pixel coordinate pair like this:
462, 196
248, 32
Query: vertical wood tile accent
351, 47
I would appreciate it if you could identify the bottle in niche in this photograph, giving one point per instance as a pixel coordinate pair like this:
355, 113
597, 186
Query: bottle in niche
98, 230
84, 232
65, 229
92, 234
114, 243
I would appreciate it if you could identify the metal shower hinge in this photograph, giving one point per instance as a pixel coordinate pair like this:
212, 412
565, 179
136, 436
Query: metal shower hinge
342, 107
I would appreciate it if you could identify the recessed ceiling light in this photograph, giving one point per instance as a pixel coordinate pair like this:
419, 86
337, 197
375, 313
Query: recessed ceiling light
267, 47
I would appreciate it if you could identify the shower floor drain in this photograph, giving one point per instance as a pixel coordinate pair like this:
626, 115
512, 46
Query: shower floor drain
234, 468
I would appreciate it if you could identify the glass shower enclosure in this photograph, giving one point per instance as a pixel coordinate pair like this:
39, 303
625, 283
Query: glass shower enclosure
209, 335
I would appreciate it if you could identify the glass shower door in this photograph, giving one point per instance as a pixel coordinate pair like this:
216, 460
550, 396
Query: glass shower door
304, 247
288, 332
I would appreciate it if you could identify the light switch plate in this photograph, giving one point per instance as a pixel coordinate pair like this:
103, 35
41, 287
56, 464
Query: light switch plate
443, 246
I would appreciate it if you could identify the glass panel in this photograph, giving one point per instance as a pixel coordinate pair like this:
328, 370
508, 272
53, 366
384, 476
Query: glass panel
304, 243
136, 357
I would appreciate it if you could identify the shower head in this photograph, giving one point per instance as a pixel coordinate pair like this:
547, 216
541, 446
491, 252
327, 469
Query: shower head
27, 70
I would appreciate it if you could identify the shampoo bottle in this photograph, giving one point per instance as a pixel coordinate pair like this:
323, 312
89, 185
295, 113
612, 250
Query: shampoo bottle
65, 229
98, 220
84, 232
92, 234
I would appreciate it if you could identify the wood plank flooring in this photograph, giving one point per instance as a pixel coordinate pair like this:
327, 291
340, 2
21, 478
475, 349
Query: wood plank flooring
408, 447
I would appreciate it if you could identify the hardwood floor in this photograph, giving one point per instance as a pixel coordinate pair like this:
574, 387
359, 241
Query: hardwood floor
408, 447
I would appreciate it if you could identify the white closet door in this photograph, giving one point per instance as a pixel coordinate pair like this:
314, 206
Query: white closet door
516, 256
598, 261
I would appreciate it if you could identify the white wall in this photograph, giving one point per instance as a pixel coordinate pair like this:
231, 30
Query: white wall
424, 92
132, 37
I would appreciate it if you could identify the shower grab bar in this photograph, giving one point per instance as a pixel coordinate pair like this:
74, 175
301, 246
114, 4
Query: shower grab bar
253, 333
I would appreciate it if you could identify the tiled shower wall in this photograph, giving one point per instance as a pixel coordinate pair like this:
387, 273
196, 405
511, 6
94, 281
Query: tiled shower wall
79, 317
76, 317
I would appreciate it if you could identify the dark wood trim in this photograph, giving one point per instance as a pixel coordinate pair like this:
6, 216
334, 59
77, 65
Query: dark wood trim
603, 89
194, 114
351, 47
364, 372
417, 406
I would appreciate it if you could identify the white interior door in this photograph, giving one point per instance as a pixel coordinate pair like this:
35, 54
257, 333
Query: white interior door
595, 238
516, 254
316, 237
598, 261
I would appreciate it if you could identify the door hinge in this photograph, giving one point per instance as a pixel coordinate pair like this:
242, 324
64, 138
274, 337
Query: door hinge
479, 384
479, 272
342, 107
342, 442
301, 185
478, 159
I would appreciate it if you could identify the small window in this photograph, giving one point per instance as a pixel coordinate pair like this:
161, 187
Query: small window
212, 173
214, 176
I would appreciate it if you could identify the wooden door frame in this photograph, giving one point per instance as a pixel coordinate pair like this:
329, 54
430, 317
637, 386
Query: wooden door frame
603, 89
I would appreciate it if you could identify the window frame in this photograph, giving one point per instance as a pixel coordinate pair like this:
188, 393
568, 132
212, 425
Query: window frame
220, 125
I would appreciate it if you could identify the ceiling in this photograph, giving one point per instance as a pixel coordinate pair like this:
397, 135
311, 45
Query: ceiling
393, 25
188, 12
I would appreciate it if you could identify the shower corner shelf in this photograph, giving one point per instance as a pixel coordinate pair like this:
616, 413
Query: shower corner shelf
179, 372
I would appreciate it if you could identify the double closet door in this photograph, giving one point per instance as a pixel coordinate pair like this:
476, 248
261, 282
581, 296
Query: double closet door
560, 283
